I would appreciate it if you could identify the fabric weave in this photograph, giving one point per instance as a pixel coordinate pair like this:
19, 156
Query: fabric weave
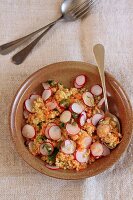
110, 23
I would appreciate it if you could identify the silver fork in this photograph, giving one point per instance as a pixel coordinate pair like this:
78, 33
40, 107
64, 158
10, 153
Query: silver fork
76, 12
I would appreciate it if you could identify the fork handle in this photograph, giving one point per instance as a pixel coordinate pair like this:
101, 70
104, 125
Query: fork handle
10, 46
21, 55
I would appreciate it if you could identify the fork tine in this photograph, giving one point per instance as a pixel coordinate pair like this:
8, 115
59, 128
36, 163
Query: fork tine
85, 10
82, 7
77, 6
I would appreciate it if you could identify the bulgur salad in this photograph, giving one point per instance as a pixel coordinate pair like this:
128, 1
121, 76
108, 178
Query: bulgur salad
66, 128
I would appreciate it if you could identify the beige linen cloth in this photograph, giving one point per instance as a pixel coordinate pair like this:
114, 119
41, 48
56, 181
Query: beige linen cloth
111, 23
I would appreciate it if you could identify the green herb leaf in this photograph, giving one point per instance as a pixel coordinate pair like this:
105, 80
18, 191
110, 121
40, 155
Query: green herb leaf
74, 123
65, 103
49, 149
75, 115
51, 82
41, 138
59, 144
53, 156
62, 125
40, 125
55, 109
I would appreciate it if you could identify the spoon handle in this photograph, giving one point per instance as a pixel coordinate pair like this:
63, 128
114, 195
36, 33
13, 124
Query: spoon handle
99, 53
19, 57
10, 46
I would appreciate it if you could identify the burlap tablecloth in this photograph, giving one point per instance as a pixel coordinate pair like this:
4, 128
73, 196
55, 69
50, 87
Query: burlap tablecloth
111, 23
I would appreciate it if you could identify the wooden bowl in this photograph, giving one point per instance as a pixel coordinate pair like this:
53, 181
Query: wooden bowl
66, 72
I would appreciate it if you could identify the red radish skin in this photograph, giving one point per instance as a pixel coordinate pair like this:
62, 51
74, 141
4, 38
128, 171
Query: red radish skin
84, 113
82, 156
77, 86
88, 99
65, 116
96, 90
96, 118
82, 120
72, 129
28, 131
68, 147
96, 149
29, 105
46, 86
54, 132
51, 167
106, 150
44, 150
46, 94
80, 80
47, 129
77, 108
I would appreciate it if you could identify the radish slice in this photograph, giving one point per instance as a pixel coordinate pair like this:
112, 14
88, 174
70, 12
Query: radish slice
51, 105
77, 108
86, 141
106, 150
34, 97
46, 149
46, 86
29, 102
96, 149
72, 129
46, 94
96, 118
77, 86
28, 131
88, 99
30, 145
26, 114
29, 105
82, 156
65, 116
89, 120
82, 120
52, 167
54, 132
47, 129
96, 90
84, 113
80, 80
101, 102
68, 147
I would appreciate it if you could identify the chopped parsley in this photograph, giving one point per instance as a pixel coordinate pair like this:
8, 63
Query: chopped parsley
51, 82
59, 144
74, 123
62, 125
55, 109
40, 125
65, 103
53, 156
41, 138
48, 148
75, 115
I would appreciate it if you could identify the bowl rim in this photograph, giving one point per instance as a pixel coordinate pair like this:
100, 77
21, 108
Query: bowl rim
12, 120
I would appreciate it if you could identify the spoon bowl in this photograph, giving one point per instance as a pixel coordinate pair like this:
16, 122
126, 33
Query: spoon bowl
99, 53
